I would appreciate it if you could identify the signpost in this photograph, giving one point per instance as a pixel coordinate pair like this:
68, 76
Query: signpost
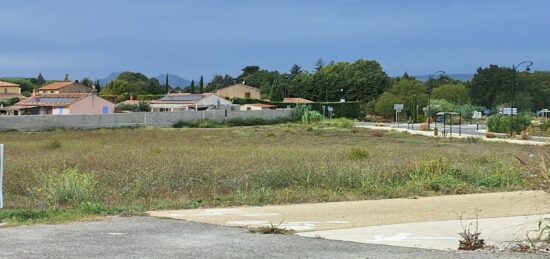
1, 174
330, 110
510, 111
398, 107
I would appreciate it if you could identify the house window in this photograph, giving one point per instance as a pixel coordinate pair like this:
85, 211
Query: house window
105, 110
247, 95
248, 108
5, 90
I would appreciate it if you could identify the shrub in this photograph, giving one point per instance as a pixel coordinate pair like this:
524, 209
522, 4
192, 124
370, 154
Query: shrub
501, 123
490, 135
54, 144
377, 133
68, 188
339, 123
311, 116
299, 111
358, 154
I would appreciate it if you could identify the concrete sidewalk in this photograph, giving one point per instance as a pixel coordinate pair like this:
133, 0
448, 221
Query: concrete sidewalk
341, 215
463, 136
441, 235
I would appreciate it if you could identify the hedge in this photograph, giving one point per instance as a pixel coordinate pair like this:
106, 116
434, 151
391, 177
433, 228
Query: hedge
352, 110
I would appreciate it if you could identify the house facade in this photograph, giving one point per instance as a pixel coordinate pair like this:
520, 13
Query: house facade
188, 102
64, 88
62, 104
9, 90
239, 91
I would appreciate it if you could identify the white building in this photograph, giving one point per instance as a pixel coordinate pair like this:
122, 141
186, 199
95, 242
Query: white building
188, 102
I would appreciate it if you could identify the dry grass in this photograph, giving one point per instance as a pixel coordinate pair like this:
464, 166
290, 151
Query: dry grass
146, 168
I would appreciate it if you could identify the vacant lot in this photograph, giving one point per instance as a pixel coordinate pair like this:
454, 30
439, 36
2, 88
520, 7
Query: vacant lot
48, 174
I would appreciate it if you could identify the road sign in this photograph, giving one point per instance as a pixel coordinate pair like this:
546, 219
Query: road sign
486, 111
330, 108
476, 115
1, 174
398, 107
509, 111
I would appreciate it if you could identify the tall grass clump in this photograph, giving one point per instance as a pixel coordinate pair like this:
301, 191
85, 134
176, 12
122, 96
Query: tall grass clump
68, 188
342, 123
53, 145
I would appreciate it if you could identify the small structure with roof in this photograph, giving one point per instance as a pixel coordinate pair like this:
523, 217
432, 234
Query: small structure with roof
9, 90
239, 91
187, 102
297, 100
258, 107
61, 104
64, 88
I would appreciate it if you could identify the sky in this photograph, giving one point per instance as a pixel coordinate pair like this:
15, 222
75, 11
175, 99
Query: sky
192, 38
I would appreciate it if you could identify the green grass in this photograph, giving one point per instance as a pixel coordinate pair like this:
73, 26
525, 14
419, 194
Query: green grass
96, 173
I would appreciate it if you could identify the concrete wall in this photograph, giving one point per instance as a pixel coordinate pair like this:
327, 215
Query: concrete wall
116, 120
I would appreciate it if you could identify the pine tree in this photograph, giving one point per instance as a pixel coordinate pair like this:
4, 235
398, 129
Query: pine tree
40, 79
201, 85
66, 78
192, 87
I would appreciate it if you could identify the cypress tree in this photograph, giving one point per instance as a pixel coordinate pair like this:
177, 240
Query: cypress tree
201, 86
167, 85
192, 87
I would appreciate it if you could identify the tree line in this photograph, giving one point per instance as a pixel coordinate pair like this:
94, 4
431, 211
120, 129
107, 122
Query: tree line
362, 80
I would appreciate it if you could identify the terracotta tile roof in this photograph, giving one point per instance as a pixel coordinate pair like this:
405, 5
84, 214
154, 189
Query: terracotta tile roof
9, 96
296, 100
56, 85
7, 84
55, 100
262, 105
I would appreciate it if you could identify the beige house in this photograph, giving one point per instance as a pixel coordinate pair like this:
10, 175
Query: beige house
64, 88
188, 102
9, 90
258, 107
239, 91
62, 104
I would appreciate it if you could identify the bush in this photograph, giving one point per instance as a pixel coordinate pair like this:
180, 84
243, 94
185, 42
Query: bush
500, 123
358, 154
377, 133
141, 107
68, 188
339, 123
311, 116
299, 111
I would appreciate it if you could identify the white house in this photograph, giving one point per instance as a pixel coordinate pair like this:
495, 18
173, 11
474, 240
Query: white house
188, 102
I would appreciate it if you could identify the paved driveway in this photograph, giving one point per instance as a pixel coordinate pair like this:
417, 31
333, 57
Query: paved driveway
145, 237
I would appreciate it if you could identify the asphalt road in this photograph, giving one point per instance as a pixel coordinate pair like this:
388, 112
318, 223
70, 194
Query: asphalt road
147, 237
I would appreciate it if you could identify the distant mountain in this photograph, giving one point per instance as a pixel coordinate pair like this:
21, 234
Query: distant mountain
103, 82
173, 80
461, 77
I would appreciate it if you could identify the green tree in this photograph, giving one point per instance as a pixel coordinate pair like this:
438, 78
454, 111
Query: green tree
192, 87
384, 105
66, 79
40, 79
201, 85
277, 89
154, 87
118, 87
491, 86
406, 91
320, 63
97, 86
219, 81
87, 82
295, 70
456, 94
436, 82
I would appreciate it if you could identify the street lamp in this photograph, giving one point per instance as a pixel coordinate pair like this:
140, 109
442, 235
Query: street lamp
430, 77
528, 65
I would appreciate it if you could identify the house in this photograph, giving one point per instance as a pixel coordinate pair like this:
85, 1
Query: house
9, 90
258, 107
64, 88
239, 91
186, 102
61, 104
297, 100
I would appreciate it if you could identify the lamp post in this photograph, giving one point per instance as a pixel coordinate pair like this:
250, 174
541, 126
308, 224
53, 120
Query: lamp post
528, 65
430, 77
